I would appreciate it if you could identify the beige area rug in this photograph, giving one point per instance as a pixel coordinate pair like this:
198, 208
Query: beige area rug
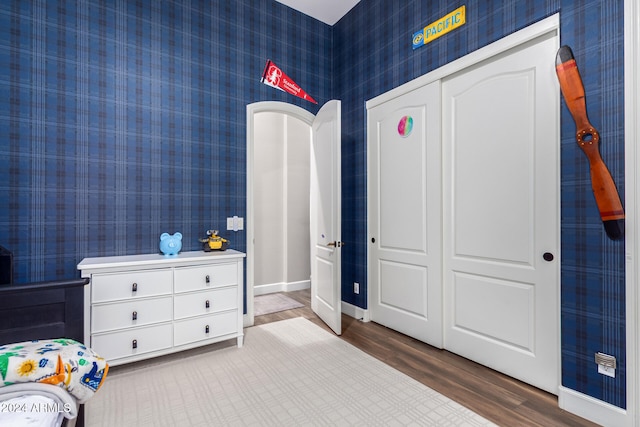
272, 303
288, 373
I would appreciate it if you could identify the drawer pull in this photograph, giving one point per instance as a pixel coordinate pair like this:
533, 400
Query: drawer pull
134, 315
206, 304
207, 279
134, 344
134, 287
206, 329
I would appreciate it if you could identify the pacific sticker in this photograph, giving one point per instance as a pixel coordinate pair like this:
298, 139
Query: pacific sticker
442, 26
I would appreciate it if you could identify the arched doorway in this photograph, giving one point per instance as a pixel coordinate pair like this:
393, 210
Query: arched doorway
277, 135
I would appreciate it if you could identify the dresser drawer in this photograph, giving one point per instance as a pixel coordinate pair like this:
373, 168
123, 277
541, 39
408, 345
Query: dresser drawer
132, 284
192, 330
116, 345
196, 304
138, 312
204, 277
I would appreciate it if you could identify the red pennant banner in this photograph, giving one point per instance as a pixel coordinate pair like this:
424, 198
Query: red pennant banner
274, 77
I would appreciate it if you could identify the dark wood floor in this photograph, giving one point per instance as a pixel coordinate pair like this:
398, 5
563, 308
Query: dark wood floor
501, 399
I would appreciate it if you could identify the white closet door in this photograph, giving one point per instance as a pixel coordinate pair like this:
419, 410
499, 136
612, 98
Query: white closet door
501, 213
404, 191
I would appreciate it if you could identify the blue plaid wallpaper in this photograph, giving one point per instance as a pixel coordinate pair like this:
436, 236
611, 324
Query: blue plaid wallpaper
373, 54
122, 119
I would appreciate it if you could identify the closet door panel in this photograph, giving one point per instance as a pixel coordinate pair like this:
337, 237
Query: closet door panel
405, 214
501, 213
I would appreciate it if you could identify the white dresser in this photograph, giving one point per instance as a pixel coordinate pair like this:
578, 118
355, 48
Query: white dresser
142, 306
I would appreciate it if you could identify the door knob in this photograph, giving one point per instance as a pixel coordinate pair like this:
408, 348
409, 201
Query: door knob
548, 256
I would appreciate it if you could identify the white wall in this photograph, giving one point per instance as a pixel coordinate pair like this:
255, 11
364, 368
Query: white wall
281, 202
269, 197
298, 238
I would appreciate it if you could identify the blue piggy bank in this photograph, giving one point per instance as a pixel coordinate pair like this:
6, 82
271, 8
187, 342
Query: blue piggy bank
170, 244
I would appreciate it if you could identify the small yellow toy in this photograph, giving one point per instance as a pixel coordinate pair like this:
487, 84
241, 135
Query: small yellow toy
213, 242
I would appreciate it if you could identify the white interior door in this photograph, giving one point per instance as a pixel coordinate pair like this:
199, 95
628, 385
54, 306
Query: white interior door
325, 213
501, 213
405, 207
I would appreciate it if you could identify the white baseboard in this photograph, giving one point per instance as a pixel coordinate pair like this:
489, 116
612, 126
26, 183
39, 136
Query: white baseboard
271, 288
592, 409
355, 312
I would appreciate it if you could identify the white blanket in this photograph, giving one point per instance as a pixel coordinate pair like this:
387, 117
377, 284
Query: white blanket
35, 405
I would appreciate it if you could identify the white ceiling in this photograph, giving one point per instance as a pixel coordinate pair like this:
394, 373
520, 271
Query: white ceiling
327, 11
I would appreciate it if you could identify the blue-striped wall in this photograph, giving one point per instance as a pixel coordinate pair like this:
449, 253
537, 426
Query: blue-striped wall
122, 119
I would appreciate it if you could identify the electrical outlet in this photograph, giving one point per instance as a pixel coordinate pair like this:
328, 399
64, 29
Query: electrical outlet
606, 370
606, 364
356, 287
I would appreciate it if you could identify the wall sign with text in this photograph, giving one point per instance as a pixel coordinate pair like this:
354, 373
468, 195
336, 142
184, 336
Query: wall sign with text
438, 28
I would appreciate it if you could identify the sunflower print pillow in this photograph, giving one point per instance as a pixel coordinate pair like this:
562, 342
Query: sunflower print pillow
62, 362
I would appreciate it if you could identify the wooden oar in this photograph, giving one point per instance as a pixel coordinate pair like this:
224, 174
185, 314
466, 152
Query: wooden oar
604, 189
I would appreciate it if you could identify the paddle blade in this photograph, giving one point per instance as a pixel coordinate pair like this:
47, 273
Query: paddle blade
571, 86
